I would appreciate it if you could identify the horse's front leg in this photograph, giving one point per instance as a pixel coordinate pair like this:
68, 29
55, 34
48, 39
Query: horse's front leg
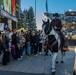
53, 62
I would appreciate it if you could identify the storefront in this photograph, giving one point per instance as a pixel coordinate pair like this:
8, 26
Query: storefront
8, 19
9, 13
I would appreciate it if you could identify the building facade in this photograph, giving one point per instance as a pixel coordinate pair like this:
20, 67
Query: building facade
68, 17
9, 14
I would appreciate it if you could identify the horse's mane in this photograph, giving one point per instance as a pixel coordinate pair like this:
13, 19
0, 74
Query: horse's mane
47, 28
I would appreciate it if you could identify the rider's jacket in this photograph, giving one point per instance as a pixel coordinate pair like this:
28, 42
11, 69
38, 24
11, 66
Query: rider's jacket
57, 23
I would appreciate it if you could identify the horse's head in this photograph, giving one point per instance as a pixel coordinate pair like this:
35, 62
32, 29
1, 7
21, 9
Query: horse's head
46, 27
44, 23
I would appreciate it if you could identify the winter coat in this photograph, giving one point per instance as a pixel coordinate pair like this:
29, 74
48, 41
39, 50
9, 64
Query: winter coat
6, 42
57, 23
35, 39
14, 39
28, 38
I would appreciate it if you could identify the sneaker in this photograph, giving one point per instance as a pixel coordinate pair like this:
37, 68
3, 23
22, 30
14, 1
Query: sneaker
40, 53
36, 55
21, 56
18, 59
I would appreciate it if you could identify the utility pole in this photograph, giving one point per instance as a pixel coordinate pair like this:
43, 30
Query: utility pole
46, 6
35, 11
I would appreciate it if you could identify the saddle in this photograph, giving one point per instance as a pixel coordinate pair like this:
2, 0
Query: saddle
45, 46
64, 45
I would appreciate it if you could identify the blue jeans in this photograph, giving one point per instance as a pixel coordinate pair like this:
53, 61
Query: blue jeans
21, 51
32, 49
27, 48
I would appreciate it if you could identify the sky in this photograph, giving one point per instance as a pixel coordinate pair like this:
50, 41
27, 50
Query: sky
54, 6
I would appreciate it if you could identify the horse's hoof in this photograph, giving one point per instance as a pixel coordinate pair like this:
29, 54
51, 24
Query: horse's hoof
62, 61
52, 73
57, 62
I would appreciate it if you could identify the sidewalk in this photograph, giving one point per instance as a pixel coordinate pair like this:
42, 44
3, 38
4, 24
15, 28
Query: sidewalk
41, 65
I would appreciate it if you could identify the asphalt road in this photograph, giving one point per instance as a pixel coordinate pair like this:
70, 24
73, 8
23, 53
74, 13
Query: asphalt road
40, 65
18, 73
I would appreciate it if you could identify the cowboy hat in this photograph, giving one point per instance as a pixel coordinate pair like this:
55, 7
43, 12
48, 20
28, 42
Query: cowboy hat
56, 14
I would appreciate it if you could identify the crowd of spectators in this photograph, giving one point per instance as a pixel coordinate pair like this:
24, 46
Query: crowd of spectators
14, 44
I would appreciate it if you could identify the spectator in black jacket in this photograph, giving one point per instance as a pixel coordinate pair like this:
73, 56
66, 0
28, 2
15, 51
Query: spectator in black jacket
35, 43
28, 41
40, 44
6, 54
14, 42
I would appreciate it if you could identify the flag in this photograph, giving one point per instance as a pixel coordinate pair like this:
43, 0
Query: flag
46, 6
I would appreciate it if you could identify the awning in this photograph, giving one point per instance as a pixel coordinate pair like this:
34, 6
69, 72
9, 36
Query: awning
7, 15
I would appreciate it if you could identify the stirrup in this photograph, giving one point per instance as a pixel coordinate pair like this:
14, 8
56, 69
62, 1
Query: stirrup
65, 48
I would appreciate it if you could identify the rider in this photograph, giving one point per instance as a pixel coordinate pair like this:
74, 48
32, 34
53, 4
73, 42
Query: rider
56, 23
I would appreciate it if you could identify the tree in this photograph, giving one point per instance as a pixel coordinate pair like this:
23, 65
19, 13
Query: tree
27, 19
31, 19
21, 21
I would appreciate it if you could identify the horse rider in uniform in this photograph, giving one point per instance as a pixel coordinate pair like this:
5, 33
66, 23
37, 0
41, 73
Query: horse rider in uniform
57, 25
